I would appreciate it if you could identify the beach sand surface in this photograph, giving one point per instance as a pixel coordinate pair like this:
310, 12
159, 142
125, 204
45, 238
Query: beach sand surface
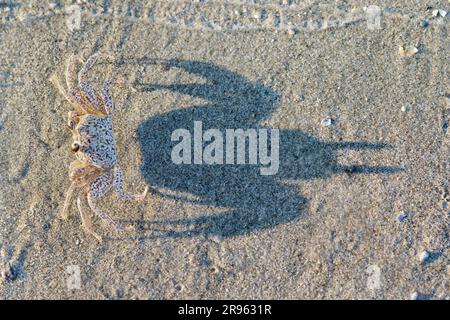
362, 188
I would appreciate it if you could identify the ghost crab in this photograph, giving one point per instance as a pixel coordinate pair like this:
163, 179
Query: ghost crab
96, 165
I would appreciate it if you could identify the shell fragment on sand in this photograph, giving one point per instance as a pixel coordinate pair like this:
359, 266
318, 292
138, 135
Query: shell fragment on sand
406, 108
424, 256
439, 12
327, 122
407, 51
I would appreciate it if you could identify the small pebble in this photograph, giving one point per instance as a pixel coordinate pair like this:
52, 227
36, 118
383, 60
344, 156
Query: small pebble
407, 51
414, 295
424, 256
326, 122
439, 12
291, 31
424, 23
120, 292
214, 270
179, 287
402, 216
257, 16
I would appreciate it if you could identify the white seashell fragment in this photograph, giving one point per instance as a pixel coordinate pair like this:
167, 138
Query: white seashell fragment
407, 51
439, 12
424, 256
326, 122
414, 295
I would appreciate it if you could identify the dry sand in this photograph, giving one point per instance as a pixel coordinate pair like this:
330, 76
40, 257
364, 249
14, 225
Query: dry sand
326, 226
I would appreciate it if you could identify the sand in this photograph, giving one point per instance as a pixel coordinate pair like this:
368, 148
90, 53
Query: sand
362, 188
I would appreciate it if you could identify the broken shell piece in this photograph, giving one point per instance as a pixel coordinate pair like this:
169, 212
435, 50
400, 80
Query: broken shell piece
407, 51
406, 108
327, 122
424, 256
439, 12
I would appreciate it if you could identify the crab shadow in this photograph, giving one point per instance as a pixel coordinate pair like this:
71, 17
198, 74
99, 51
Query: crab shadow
251, 201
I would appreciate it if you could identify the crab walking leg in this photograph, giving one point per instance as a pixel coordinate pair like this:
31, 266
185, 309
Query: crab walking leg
70, 98
65, 210
70, 73
73, 96
97, 189
104, 216
89, 93
101, 185
118, 187
87, 66
86, 87
83, 103
70, 82
86, 219
107, 97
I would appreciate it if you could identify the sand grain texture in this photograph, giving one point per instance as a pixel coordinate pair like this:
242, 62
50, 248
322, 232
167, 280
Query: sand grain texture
323, 227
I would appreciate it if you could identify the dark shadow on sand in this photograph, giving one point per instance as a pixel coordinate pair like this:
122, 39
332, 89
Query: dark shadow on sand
253, 201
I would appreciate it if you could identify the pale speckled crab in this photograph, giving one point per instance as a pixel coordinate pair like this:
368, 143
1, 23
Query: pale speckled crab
96, 167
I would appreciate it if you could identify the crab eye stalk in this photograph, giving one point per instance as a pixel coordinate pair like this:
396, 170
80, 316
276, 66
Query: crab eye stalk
71, 124
75, 147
